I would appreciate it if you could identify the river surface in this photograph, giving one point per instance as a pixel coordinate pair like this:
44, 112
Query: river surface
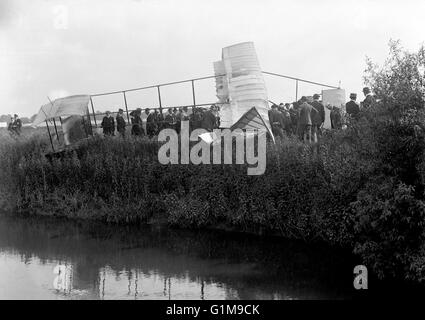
59, 259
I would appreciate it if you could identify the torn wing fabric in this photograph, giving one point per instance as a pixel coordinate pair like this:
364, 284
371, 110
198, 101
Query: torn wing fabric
62, 107
44, 114
252, 119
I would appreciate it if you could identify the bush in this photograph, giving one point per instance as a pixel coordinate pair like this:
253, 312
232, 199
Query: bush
390, 229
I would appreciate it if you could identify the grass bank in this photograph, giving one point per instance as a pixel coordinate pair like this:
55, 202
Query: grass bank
345, 191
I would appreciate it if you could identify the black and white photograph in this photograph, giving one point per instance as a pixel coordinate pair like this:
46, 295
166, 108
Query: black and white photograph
223, 153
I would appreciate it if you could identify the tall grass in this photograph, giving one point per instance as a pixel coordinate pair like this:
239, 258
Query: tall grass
121, 181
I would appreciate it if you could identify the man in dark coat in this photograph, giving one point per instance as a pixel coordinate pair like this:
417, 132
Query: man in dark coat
336, 118
17, 125
318, 117
108, 124
159, 121
277, 121
136, 122
170, 119
305, 114
369, 100
293, 112
151, 125
352, 107
209, 120
120, 122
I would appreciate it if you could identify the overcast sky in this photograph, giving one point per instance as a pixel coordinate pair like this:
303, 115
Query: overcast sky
58, 48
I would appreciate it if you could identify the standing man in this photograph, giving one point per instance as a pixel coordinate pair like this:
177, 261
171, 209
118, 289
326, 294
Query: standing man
108, 124
336, 118
179, 120
318, 117
294, 118
151, 126
158, 119
170, 119
352, 107
196, 118
306, 112
286, 119
209, 120
276, 121
120, 122
136, 122
16, 125
369, 100
9, 125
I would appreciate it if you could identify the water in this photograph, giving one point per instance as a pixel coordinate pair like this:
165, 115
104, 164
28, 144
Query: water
57, 259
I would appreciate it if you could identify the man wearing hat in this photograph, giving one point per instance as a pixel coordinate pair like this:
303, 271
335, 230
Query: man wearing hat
352, 107
151, 126
369, 99
136, 122
108, 124
318, 117
120, 122
306, 114
170, 119
284, 110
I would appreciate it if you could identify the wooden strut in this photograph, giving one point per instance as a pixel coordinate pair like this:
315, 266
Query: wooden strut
50, 136
56, 130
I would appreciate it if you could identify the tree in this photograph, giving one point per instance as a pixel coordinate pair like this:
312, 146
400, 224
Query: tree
389, 213
399, 84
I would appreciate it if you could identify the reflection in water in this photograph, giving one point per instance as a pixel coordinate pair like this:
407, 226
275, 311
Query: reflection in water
56, 259
63, 280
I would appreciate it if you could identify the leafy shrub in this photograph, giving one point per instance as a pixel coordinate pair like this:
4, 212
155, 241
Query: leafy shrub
390, 229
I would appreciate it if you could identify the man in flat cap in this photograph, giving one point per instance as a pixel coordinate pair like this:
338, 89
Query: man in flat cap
352, 107
318, 118
369, 98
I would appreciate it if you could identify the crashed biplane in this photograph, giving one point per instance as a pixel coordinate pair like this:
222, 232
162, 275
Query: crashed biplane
72, 113
240, 90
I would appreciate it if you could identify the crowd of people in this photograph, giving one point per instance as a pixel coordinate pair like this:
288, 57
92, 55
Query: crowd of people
155, 121
305, 118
